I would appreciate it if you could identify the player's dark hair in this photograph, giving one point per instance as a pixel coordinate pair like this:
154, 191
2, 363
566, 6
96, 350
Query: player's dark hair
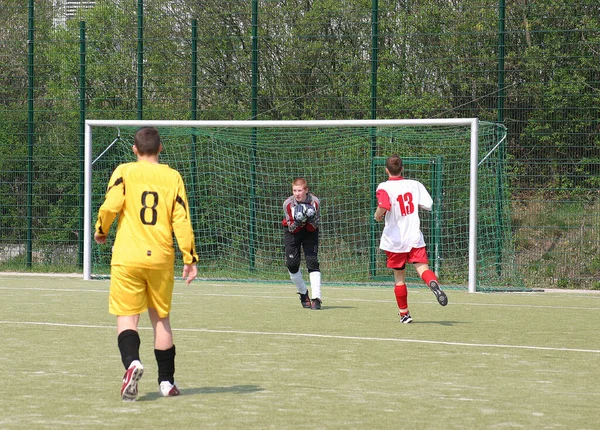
394, 165
147, 141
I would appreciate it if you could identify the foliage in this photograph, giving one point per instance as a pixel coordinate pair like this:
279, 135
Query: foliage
436, 58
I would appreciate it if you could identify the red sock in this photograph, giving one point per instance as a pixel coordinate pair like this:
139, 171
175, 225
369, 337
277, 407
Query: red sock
428, 276
401, 296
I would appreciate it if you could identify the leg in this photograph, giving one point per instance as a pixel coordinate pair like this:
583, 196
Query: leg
401, 293
160, 294
397, 262
399, 276
164, 351
315, 287
424, 273
292, 243
310, 245
298, 281
163, 335
128, 338
127, 299
400, 290
129, 346
432, 282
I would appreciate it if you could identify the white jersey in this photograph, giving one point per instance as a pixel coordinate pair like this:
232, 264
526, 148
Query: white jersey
402, 198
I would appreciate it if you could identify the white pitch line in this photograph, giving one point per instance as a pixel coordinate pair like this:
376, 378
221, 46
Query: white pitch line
338, 299
323, 336
58, 290
346, 299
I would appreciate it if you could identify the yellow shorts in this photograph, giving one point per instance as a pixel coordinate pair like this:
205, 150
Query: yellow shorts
133, 290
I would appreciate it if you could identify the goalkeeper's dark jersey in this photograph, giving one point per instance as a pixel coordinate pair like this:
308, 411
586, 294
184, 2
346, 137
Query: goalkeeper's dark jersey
289, 207
151, 202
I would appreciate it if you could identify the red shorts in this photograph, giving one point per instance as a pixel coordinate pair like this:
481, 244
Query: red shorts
397, 260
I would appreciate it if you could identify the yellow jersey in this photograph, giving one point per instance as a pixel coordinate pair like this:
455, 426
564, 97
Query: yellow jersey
151, 202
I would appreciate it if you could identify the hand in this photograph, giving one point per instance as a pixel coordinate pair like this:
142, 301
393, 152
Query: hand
379, 214
310, 213
190, 271
100, 239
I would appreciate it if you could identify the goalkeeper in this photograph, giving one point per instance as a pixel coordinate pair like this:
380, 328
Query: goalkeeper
302, 213
399, 200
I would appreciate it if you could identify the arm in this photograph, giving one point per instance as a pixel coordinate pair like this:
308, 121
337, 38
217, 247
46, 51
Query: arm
425, 200
379, 213
288, 209
184, 233
113, 203
314, 220
383, 204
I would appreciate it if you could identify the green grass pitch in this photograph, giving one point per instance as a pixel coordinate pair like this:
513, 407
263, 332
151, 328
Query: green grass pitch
249, 356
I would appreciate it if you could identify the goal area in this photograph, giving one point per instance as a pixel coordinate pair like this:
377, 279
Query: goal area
238, 173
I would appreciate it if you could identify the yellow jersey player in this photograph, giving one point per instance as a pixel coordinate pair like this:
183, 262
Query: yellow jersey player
151, 203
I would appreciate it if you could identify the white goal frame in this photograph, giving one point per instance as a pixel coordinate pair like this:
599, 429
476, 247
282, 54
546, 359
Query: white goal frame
472, 122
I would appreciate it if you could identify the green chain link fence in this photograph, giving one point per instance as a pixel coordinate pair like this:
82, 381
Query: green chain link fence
532, 66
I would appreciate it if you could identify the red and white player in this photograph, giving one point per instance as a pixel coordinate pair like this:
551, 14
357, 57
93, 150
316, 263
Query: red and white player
399, 200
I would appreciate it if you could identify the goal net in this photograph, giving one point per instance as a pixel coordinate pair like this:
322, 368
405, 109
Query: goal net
238, 173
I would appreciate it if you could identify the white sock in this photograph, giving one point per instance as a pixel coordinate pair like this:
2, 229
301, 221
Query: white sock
298, 281
315, 284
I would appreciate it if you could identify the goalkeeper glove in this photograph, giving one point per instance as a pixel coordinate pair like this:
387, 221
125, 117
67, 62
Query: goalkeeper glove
299, 215
310, 213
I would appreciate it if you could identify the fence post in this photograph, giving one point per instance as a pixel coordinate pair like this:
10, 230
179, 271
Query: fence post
499, 174
30, 132
140, 59
254, 107
82, 114
374, 67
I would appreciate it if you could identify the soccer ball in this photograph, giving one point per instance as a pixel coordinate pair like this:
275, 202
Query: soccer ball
299, 215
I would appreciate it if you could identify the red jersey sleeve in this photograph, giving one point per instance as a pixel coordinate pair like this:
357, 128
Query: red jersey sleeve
383, 199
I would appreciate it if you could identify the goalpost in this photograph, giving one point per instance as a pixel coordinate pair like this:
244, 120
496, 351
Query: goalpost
238, 173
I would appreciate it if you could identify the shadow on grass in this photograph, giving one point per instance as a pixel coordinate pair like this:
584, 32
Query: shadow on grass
238, 389
444, 323
325, 308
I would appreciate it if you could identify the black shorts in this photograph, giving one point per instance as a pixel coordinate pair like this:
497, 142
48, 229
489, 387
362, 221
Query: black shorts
309, 242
